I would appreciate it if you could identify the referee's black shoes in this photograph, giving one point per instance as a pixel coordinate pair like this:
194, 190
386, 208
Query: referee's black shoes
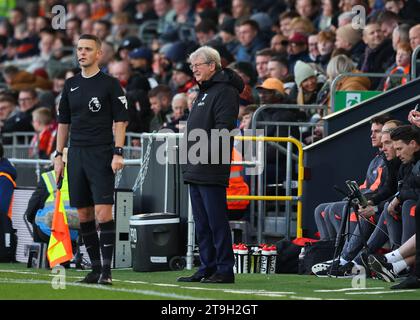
196, 277
219, 278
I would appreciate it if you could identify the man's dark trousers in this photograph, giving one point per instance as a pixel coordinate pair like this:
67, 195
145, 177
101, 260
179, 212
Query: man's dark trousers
212, 229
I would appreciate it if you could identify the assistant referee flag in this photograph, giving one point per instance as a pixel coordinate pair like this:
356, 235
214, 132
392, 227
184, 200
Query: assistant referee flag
59, 247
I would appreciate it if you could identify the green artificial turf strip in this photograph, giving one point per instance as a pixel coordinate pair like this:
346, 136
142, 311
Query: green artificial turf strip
19, 282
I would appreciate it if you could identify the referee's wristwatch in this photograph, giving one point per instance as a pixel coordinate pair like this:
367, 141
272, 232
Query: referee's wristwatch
58, 154
119, 151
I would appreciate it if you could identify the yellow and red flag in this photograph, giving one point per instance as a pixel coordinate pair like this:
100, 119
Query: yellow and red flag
59, 247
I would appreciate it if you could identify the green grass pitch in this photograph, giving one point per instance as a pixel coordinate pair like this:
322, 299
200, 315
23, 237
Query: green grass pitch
20, 283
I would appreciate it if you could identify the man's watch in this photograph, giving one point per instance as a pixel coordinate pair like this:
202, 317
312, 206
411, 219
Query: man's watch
119, 151
58, 154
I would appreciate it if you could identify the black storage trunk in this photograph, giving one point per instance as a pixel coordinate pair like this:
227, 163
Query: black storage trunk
154, 240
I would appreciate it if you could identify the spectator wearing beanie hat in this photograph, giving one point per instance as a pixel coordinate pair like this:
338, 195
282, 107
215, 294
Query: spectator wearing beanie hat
297, 49
307, 86
350, 39
227, 34
127, 45
248, 75
141, 61
175, 52
182, 78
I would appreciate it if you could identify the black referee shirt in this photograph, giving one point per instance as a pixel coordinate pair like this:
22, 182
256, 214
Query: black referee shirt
90, 105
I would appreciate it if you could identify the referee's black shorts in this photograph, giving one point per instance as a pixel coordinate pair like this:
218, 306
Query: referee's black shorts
90, 176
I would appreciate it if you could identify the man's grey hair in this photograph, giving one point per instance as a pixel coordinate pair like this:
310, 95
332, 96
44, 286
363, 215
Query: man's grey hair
403, 32
346, 17
339, 64
209, 54
180, 96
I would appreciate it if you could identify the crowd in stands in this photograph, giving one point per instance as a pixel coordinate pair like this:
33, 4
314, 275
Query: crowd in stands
286, 51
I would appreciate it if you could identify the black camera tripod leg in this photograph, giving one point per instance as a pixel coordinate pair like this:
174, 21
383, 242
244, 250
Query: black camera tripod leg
345, 222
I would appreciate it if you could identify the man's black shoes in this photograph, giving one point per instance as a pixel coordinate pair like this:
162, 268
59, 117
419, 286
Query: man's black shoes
97, 278
196, 277
91, 277
219, 278
412, 282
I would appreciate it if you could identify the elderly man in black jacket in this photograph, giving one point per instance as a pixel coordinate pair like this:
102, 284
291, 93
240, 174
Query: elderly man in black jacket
215, 108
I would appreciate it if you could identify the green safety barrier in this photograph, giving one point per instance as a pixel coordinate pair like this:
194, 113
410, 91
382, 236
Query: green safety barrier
345, 99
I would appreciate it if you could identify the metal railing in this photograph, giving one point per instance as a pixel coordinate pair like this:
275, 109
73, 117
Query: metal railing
148, 31
334, 83
258, 187
414, 61
19, 145
289, 125
288, 198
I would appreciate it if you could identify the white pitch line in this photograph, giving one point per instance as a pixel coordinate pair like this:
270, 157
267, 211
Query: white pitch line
304, 298
244, 292
349, 289
381, 292
273, 295
165, 285
99, 287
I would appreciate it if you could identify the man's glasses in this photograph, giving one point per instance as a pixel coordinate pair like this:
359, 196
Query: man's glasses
193, 66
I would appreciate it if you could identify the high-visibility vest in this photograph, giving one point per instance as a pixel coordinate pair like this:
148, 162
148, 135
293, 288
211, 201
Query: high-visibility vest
237, 184
44, 216
51, 184
71, 213
9, 177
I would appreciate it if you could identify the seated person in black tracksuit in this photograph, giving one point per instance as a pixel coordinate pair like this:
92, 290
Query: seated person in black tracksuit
401, 221
413, 281
396, 221
328, 216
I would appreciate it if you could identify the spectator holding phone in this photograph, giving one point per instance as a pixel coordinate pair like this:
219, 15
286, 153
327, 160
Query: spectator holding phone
414, 116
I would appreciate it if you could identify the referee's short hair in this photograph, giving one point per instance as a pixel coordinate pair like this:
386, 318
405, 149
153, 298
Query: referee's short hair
87, 36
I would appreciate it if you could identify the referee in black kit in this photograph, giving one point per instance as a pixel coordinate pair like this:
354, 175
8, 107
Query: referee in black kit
91, 103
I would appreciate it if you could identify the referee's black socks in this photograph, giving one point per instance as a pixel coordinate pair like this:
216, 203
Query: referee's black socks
91, 240
107, 241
